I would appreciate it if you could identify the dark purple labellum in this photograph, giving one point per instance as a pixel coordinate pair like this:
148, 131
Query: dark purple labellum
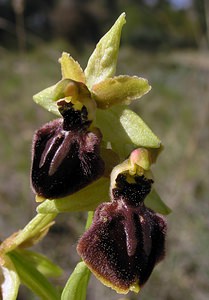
65, 155
126, 239
123, 244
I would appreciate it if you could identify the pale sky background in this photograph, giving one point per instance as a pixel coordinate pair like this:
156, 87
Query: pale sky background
181, 3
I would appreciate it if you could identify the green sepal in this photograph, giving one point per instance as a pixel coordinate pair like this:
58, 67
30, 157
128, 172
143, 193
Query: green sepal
65, 88
48, 97
45, 99
102, 63
76, 286
119, 90
9, 281
32, 278
86, 199
154, 202
42, 263
125, 130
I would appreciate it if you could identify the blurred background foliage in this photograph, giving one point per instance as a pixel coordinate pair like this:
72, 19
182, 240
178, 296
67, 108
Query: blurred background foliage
166, 42
152, 24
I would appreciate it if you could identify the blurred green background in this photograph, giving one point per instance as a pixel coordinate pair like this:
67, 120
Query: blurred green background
166, 42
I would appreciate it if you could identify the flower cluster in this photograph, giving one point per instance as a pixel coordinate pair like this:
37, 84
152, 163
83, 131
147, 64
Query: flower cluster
126, 238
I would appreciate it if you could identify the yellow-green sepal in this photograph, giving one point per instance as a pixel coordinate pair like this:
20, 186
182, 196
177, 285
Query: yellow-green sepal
125, 130
154, 202
102, 62
119, 90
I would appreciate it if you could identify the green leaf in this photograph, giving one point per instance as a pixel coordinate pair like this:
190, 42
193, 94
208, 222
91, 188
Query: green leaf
102, 63
42, 263
119, 90
9, 282
32, 278
154, 202
76, 286
71, 68
86, 199
125, 130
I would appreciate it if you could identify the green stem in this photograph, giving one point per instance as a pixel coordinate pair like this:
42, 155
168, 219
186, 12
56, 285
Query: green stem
76, 286
33, 231
39, 223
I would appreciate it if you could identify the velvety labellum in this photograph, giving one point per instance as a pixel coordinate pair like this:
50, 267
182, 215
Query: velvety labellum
66, 156
127, 237
123, 244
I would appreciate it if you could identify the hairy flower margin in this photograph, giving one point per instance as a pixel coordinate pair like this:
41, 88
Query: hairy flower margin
96, 129
127, 237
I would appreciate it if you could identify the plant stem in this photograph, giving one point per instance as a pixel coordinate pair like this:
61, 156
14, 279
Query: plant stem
31, 233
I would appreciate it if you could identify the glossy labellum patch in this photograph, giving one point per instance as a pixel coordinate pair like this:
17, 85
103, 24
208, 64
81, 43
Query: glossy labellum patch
125, 240
65, 154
